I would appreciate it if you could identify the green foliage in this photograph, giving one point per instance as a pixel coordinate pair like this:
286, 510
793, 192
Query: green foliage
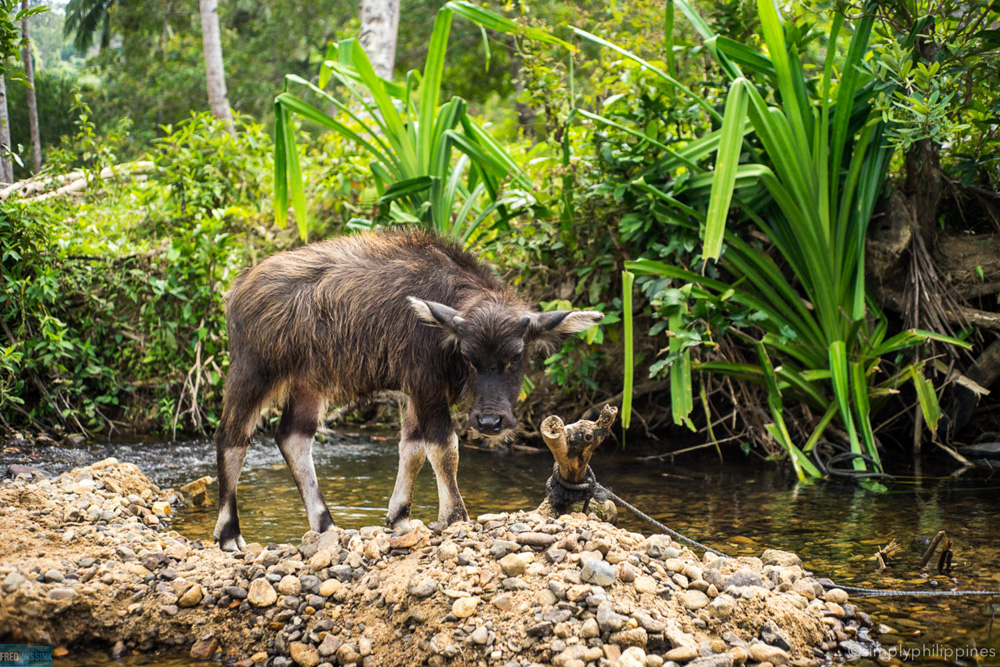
800, 152
84, 19
823, 163
55, 93
942, 64
211, 172
111, 304
591, 176
11, 41
411, 146
737, 152
88, 148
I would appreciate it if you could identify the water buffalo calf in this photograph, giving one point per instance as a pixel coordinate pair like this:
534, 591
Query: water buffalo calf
348, 318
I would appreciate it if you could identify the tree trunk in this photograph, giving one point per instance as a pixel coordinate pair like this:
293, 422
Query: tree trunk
6, 167
164, 26
525, 112
379, 25
215, 75
29, 74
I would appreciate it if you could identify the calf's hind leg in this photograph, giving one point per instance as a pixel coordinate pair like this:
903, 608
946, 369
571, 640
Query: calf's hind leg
230, 451
299, 420
244, 395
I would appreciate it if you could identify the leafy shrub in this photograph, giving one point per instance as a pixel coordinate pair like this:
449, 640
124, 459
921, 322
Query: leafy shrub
113, 304
54, 92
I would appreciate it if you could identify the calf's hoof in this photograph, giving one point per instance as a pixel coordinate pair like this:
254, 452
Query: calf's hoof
229, 538
457, 516
233, 544
399, 520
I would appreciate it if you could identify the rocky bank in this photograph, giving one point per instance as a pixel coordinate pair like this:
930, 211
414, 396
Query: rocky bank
87, 558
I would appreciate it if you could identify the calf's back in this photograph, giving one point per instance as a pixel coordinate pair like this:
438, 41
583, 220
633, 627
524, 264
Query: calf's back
334, 315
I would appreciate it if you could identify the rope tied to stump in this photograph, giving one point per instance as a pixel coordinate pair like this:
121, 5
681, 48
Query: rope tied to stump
572, 446
563, 494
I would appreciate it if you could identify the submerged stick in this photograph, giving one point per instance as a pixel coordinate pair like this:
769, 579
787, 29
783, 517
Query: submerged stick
931, 548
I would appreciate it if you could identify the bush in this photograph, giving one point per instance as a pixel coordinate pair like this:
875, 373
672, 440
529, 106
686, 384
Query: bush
112, 305
55, 93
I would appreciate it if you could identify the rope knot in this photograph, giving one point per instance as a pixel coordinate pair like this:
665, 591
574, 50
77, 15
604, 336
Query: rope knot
563, 494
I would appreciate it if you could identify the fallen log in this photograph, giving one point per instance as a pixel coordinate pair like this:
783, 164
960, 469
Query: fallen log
47, 186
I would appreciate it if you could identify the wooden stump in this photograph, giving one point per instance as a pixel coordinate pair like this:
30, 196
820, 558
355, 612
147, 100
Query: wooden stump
572, 446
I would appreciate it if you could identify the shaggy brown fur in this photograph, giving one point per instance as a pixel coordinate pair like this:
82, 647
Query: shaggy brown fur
340, 320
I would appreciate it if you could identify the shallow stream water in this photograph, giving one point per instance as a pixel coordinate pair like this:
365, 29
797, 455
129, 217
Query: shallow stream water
738, 507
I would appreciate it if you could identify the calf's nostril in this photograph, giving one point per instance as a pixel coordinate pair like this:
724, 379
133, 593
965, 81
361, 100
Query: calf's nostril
489, 423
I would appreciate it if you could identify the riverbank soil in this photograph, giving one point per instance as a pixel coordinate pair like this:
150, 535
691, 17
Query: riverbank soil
86, 560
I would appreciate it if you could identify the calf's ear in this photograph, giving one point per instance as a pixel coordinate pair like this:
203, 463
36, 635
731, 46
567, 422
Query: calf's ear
551, 327
438, 314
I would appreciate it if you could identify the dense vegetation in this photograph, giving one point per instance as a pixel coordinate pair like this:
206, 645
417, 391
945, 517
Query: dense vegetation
741, 163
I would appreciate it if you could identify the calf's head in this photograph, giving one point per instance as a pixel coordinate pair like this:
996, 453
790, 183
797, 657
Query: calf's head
496, 340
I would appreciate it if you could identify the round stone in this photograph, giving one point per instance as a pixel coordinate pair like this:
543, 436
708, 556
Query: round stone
465, 607
304, 654
645, 584
329, 587
55, 576
261, 593
62, 594
693, 600
835, 595
191, 597
598, 572
513, 565
289, 585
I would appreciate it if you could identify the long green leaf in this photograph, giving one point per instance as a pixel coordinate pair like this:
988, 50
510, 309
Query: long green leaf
293, 174
396, 132
627, 280
726, 162
928, 399
406, 188
804, 468
498, 153
746, 56
311, 113
376, 135
859, 390
494, 21
681, 389
668, 41
913, 337
792, 94
280, 167
430, 87
849, 83
842, 391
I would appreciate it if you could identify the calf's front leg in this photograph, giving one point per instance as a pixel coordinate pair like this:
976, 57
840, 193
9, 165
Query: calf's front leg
444, 459
411, 459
